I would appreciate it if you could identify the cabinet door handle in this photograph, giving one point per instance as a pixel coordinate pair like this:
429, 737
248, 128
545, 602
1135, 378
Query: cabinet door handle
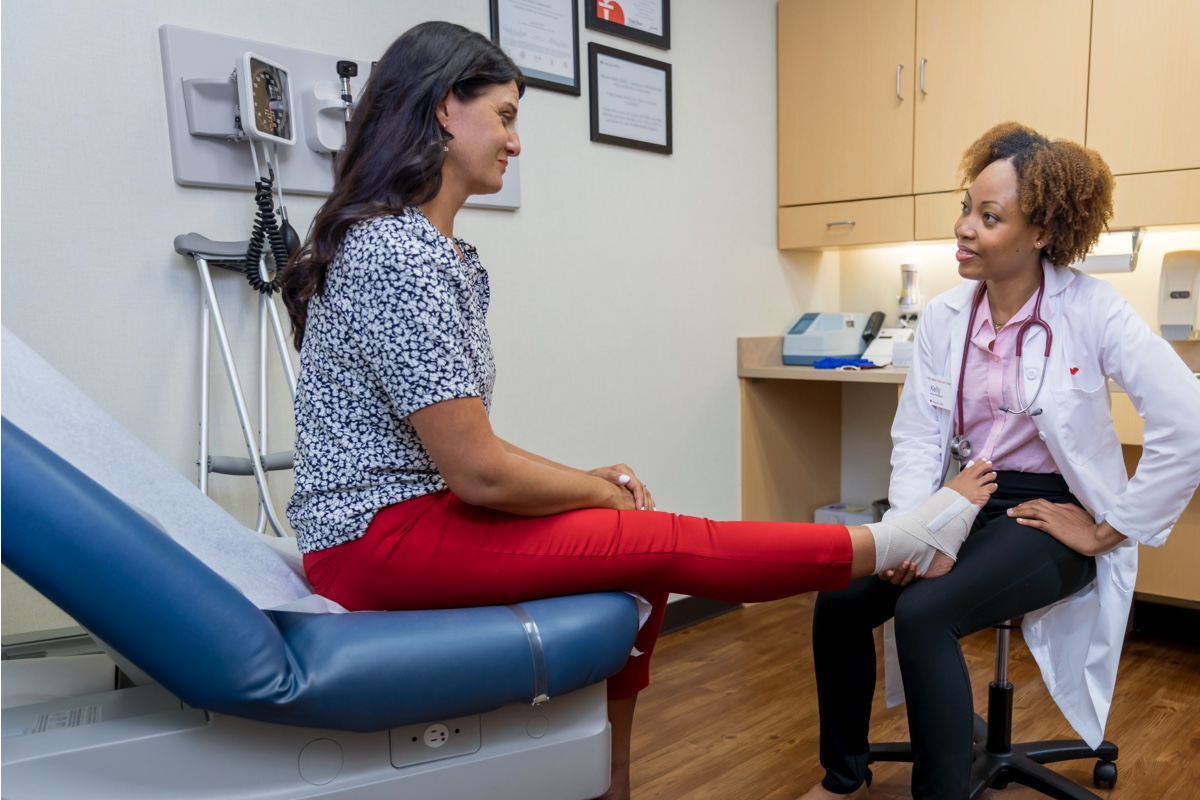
848, 222
899, 69
923, 77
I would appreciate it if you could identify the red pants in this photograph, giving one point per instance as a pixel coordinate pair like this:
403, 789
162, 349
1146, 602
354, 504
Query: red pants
438, 552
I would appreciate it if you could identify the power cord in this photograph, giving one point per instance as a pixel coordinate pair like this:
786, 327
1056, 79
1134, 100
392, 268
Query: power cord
267, 230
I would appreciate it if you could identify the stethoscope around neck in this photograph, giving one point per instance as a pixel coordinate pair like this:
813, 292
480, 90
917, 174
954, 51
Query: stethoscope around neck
960, 447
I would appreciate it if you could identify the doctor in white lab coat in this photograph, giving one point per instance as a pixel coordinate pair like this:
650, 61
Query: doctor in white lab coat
1031, 204
1097, 338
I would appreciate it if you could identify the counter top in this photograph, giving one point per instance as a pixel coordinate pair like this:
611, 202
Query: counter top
762, 357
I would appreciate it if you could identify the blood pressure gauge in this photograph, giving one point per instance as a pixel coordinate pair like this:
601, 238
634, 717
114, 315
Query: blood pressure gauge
265, 98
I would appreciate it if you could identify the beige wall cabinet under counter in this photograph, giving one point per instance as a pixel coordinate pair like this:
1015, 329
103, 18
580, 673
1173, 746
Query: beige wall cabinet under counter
793, 448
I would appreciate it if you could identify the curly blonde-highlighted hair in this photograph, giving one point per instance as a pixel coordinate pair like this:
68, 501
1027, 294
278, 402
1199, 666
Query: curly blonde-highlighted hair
1062, 186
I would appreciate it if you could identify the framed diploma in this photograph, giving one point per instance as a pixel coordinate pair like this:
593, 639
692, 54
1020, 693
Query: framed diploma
542, 38
645, 21
630, 99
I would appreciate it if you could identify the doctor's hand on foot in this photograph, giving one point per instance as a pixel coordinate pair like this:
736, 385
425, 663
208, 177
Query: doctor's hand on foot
925, 541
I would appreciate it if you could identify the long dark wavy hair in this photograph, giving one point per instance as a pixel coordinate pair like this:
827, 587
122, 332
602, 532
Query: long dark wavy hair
394, 144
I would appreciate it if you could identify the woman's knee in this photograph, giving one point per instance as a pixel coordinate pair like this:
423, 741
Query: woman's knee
923, 613
865, 603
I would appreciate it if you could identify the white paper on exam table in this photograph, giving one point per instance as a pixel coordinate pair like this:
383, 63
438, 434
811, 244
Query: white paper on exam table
48, 407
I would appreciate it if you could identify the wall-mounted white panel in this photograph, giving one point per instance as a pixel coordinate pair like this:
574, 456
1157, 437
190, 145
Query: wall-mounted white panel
200, 95
208, 161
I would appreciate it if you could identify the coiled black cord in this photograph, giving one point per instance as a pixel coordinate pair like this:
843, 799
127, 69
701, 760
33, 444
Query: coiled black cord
266, 228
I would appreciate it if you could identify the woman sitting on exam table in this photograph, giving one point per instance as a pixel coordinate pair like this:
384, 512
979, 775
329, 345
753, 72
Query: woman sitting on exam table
405, 498
1030, 345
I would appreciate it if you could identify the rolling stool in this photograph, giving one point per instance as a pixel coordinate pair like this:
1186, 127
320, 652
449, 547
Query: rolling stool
998, 762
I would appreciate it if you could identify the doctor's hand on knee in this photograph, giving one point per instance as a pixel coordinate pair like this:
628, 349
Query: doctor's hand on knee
1069, 524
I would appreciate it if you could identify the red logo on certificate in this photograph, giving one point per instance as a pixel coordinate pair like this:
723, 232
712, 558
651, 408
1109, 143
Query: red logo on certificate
611, 11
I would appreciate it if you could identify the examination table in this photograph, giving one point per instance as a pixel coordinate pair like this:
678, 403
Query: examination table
250, 686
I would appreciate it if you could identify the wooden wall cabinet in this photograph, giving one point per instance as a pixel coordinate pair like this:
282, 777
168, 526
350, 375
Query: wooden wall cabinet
1144, 108
879, 98
1144, 93
888, 219
979, 64
845, 99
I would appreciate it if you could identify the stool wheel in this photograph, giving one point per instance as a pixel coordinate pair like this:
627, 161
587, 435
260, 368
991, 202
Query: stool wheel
1104, 774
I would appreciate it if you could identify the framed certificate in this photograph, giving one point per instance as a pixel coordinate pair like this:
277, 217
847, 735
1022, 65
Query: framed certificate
645, 21
630, 99
542, 38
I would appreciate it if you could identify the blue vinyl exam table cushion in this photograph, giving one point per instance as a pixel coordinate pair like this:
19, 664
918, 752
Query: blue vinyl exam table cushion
169, 581
158, 605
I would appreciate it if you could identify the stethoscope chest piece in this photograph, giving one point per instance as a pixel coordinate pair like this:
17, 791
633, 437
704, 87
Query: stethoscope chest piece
960, 448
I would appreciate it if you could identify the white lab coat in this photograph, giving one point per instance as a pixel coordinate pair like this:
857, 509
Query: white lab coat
1096, 337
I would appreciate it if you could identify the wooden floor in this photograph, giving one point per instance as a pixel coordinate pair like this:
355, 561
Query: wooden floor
731, 713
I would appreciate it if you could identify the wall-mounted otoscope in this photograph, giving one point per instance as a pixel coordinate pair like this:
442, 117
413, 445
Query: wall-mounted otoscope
347, 70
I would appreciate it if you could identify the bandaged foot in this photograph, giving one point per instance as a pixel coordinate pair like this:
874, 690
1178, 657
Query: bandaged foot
939, 525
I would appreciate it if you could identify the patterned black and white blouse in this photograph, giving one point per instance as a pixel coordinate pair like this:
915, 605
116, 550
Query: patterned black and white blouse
400, 326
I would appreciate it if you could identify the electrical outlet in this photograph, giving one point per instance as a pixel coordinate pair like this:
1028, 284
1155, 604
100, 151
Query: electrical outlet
437, 735
417, 744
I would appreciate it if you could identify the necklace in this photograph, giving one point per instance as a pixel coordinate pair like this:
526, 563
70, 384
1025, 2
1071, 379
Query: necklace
998, 326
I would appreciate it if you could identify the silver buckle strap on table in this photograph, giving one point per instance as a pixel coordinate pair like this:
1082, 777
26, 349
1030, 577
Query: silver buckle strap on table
541, 680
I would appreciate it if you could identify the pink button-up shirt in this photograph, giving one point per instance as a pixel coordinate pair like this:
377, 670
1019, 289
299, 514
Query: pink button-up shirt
1009, 441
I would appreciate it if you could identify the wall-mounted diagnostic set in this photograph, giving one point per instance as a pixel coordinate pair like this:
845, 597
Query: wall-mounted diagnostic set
293, 97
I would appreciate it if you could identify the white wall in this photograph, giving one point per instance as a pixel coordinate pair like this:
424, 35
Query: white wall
619, 287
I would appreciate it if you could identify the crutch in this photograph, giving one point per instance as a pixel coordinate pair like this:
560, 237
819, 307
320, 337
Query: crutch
231, 255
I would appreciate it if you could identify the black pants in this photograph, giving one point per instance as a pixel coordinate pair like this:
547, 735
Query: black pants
1004, 570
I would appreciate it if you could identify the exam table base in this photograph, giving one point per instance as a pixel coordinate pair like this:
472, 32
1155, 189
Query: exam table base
146, 745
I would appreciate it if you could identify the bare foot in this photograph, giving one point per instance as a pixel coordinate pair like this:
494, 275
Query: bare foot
819, 792
976, 482
940, 565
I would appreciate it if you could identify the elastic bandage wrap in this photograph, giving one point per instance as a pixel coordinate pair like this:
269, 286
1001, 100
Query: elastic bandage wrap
941, 523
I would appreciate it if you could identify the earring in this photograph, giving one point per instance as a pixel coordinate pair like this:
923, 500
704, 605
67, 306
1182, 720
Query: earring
446, 149
1038, 243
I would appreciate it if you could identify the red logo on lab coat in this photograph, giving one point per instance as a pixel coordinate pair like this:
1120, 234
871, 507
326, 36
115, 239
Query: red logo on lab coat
1074, 370
611, 11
